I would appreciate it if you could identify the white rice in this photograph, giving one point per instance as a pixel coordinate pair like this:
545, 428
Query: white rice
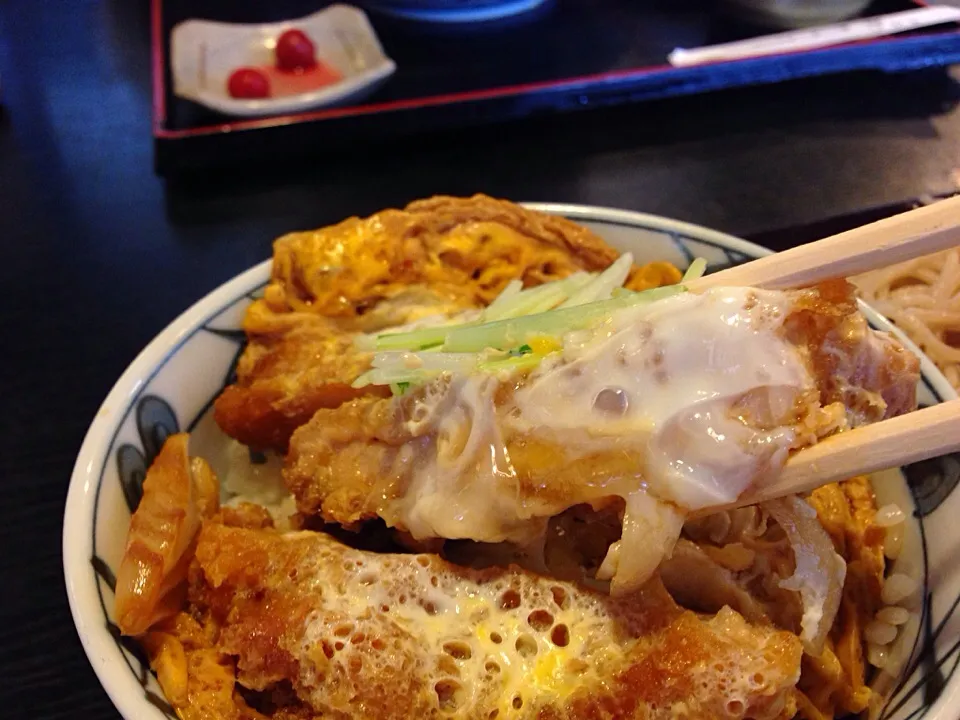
893, 542
889, 516
877, 655
880, 633
897, 588
894, 615
258, 483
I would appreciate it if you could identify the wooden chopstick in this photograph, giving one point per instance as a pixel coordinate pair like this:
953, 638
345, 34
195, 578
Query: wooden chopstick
908, 235
901, 440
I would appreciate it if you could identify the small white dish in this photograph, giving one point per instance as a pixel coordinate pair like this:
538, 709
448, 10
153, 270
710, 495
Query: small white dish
204, 53
786, 14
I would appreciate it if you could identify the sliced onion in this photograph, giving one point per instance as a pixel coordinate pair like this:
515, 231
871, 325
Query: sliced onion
697, 581
819, 573
650, 530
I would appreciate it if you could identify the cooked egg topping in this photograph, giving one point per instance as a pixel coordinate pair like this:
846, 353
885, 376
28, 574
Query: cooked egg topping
666, 377
493, 643
672, 405
504, 644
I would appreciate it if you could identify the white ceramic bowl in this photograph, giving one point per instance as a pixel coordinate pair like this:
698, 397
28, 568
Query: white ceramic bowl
173, 382
786, 14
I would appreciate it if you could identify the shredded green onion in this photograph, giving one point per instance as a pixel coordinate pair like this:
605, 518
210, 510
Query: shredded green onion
399, 388
513, 288
511, 364
432, 359
537, 299
505, 334
695, 271
498, 342
415, 339
377, 376
603, 285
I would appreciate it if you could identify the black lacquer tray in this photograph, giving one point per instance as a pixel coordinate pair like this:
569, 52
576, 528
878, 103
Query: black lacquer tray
567, 55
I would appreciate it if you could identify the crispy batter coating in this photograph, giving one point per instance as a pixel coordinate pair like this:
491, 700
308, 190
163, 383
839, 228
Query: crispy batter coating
355, 462
439, 256
871, 373
329, 631
302, 363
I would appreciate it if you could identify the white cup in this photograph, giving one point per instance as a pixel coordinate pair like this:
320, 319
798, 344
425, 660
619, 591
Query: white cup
797, 13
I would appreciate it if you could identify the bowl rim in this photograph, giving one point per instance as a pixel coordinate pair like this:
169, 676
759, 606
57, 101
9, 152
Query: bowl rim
79, 519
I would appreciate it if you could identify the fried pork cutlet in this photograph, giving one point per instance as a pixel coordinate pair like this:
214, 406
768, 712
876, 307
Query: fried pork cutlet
667, 407
437, 257
315, 629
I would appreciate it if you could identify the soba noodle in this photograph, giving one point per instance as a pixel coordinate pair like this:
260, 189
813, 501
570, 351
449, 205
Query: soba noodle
922, 297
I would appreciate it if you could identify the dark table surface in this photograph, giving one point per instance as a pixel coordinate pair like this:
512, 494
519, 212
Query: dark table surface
99, 254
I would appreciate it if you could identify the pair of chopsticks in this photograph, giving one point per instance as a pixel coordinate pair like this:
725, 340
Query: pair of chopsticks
814, 38
902, 440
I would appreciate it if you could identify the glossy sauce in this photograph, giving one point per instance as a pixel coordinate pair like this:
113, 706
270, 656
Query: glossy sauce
665, 377
467, 487
659, 381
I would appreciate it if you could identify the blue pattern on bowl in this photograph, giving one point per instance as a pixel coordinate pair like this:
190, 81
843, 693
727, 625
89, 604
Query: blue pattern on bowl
154, 418
454, 11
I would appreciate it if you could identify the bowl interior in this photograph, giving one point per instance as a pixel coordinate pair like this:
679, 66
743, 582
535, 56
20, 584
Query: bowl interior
172, 384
